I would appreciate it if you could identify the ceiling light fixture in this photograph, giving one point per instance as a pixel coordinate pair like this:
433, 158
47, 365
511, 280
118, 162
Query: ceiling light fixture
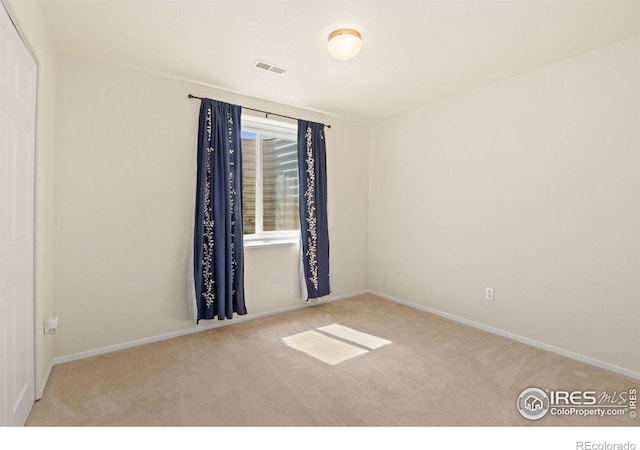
344, 43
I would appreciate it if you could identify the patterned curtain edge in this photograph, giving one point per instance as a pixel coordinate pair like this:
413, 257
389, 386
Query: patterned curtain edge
203, 291
303, 278
191, 285
312, 206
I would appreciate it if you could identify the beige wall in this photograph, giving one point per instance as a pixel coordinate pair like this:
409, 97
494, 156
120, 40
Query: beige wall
34, 31
530, 186
125, 183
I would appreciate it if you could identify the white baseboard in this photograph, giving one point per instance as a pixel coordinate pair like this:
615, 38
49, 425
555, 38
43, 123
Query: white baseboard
216, 324
541, 345
43, 386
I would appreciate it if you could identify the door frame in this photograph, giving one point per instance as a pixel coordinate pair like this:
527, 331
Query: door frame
18, 373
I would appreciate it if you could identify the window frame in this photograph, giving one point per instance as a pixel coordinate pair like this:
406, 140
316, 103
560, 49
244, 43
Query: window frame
277, 129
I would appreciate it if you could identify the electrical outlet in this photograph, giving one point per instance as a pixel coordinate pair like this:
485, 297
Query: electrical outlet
488, 293
277, 280
51, 325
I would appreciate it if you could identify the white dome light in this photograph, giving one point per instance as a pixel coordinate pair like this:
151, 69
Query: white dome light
344, 43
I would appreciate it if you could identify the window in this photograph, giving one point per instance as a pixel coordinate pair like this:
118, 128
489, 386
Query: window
270, 180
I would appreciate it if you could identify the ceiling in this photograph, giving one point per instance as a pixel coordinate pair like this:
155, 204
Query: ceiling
414, 52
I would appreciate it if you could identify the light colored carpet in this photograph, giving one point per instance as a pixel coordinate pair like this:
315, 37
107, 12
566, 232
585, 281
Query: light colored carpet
326, 349
435, 373
334, 351
357, 337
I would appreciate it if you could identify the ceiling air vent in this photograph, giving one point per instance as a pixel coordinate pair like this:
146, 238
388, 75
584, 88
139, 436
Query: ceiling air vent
270, 67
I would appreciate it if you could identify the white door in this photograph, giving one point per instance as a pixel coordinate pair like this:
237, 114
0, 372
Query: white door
17, 130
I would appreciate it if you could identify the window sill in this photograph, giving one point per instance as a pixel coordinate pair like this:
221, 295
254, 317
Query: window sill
261, 243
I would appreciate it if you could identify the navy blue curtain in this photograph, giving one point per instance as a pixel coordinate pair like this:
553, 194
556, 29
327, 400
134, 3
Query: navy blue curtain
218, 251
312, 183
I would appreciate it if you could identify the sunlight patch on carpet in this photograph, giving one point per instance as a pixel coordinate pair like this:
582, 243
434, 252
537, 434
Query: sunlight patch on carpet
324, 348
330, 350
357, 337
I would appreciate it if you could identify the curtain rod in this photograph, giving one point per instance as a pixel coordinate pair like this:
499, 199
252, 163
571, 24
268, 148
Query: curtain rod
260, 111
